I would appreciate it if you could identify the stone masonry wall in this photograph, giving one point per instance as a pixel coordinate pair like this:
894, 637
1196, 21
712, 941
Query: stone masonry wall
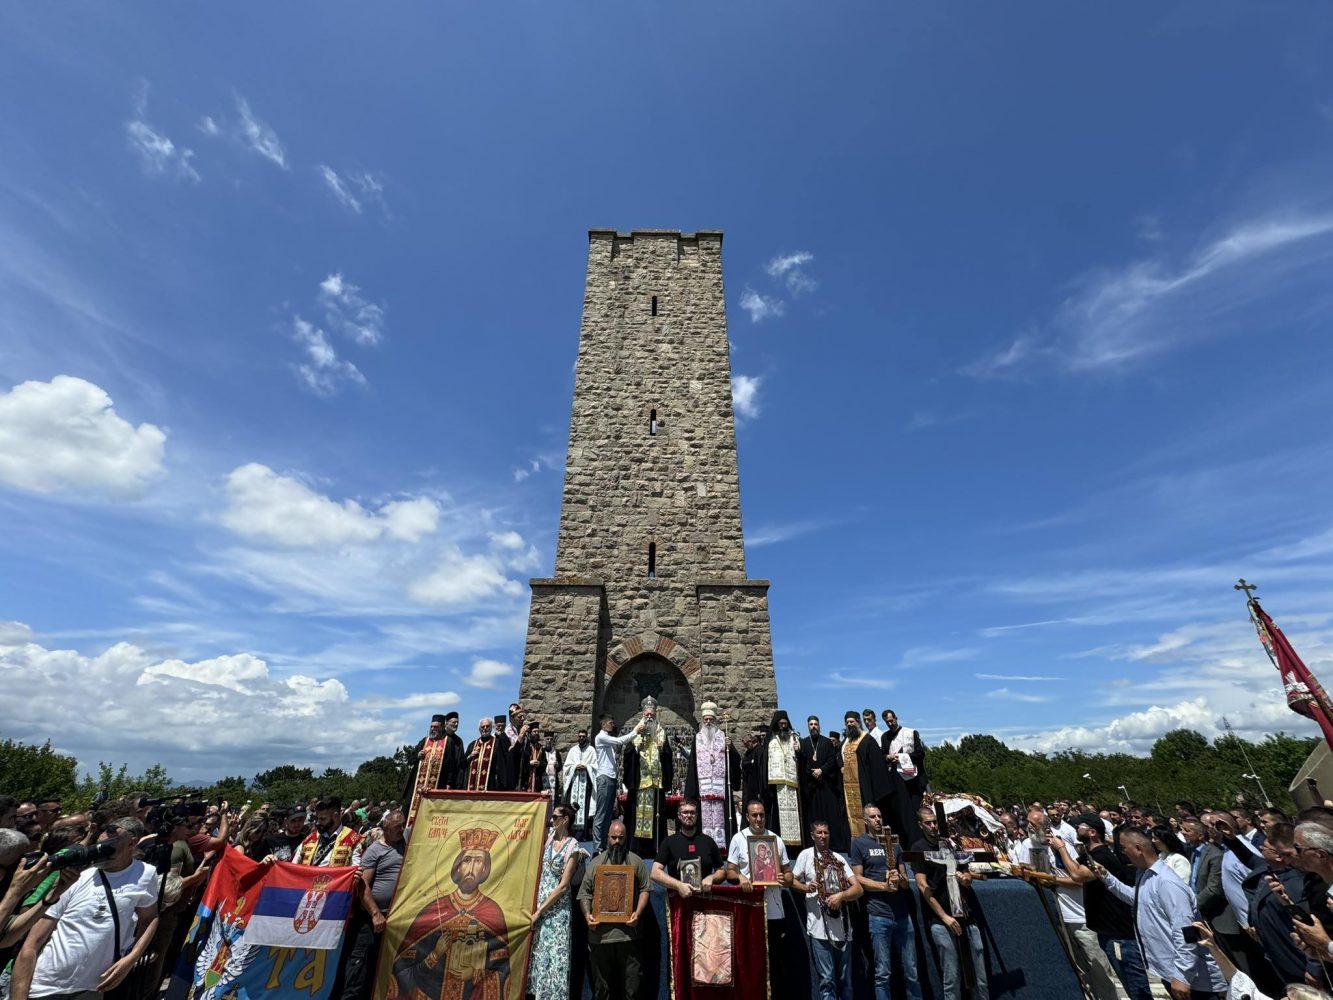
626, 489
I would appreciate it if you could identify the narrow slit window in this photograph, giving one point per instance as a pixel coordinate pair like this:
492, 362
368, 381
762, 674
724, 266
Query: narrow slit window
654, 305
652, 422
652, 560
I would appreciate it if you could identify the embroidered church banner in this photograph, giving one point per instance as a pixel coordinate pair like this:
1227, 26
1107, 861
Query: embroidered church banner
719, 945
265, 930
461, 920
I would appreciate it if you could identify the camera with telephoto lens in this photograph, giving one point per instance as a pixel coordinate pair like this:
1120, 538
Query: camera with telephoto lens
81, 856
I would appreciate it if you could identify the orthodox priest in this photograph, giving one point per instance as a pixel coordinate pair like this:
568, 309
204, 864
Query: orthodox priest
780, 766
527, 759
439, 762
822, 790
867, 780
580, 785
648, 772
714, 773
487, 761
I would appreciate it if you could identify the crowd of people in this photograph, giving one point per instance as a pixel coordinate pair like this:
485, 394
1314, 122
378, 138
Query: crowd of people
841, 833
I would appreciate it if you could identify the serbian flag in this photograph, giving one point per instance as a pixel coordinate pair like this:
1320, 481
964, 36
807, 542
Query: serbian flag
270, 931
301, 907
1305, 695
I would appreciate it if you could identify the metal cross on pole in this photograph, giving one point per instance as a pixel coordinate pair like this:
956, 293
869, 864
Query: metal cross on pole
1248, 588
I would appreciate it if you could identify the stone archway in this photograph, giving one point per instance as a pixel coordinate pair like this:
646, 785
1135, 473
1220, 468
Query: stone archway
651, 674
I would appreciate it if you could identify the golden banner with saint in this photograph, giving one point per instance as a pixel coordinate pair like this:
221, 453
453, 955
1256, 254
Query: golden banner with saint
460, 927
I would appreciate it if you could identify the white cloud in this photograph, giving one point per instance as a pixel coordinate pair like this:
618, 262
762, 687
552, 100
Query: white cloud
761, 307
368, 188
790, 270
159, 156
1014, 677
348, 312
1005, 694
260, 137
745, 395
772, 534
460, 579
209, 127
265, 506
1120, 315
66, 435
339, 189
322, 372
488, 673
879, 683
226, 714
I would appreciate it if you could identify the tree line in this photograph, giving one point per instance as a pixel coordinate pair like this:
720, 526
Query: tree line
1183, 764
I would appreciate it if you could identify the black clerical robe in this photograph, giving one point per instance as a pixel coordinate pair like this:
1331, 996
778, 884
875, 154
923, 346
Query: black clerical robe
527, 763
822, 796
916, 750
631, 768
734, 785
497, 777
749, 777
451, 768
884, 788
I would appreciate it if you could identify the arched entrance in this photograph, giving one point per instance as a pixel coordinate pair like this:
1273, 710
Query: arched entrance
651, 674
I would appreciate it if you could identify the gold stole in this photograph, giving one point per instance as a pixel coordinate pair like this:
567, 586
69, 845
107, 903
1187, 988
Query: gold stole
479, 768
851, 786
428, 774
650, 780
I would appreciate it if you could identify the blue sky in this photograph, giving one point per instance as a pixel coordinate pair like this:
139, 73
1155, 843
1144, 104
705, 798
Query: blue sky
1029, 306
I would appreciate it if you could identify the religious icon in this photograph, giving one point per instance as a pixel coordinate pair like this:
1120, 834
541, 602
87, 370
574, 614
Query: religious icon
613, 894
460, 941
690, 872
710, 963
765, 869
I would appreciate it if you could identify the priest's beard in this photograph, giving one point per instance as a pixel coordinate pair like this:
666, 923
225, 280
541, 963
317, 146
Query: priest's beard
852, 732
784, 735
617, 855
709, 733
650, 728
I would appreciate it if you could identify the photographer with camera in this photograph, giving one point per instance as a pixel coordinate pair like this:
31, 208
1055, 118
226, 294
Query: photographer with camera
98, 929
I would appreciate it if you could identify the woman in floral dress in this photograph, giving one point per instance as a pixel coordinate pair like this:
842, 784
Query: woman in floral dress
549, 977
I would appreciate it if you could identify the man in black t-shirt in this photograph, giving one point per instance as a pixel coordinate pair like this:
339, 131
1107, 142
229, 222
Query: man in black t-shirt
283, 845
951, 928
687, 846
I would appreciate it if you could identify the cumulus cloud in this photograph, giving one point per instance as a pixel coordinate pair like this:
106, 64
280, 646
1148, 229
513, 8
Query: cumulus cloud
322, 372
790, 269
761, 307
488, 673
459, 579
220, 715
266, 506
348, 311
745, 395
65, 435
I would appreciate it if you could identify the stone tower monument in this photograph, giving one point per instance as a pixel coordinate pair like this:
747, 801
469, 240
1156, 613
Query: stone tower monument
650, 595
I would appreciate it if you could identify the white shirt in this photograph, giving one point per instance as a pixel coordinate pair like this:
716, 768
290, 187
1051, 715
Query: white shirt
606, 745
818, 924
738, 854
877, 735
1069, 897
82, 947
1067, 833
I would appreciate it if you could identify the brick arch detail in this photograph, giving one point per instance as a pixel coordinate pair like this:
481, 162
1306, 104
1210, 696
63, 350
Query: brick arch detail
650, 642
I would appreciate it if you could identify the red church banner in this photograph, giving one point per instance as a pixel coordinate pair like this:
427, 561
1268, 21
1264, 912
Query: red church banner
719, 945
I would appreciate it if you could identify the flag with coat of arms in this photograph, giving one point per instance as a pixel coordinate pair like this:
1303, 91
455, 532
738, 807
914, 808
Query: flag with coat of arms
265, 930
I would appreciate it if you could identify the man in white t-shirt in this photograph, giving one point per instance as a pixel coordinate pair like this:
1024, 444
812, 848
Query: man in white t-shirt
738, 870
829, 884
89, 940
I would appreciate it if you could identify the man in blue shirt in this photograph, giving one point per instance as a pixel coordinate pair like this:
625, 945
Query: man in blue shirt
1163, 908
888, 903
